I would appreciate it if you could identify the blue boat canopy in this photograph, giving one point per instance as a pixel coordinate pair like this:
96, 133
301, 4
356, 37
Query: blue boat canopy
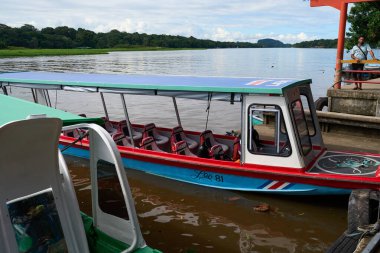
149, 84
17, 109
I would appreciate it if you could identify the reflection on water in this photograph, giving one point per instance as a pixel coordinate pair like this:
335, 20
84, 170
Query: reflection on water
179, 217
317, 64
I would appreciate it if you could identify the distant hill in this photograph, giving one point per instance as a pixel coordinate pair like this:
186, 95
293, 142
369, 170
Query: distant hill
322, 43
271, 43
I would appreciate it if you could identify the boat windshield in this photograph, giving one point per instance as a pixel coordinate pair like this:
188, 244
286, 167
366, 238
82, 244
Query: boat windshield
110, 194
301, 126
267, 131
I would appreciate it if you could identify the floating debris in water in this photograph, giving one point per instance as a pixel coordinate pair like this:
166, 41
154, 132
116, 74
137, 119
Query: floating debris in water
263, 207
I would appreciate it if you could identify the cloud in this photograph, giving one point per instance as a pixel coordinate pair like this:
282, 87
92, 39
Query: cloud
127, 25
223, 34
236, 20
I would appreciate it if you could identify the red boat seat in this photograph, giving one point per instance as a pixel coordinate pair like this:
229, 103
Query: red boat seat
207, 138
216, 152
136, 135
123, 128
149, 143
109, 126
236, 150
150, 130
121, 140
178, 135
75, 133
181, 148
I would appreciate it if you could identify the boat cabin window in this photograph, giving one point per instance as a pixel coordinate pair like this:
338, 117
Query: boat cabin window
110, 196
36, 223
267, 133
301, 126
310, 123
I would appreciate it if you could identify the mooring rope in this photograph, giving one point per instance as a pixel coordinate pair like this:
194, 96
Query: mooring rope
74, 142
209, 96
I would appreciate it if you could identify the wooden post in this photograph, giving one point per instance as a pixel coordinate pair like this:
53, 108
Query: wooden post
340, 47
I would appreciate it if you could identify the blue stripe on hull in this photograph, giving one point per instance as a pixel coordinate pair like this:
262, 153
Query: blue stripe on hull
218, 180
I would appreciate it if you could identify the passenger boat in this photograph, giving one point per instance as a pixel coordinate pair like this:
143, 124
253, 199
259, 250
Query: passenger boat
278, 151
39, 211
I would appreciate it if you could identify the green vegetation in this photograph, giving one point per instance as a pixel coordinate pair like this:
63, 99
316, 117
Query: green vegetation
272, 43
317, 44
27, 52
28, 36
365, 21
30, 41
20, 52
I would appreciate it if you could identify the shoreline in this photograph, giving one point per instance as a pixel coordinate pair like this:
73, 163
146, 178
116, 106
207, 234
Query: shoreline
26, 52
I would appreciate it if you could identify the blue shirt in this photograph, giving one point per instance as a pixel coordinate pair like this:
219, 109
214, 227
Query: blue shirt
358, 54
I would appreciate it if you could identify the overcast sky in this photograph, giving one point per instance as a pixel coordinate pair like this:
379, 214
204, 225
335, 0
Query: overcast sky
226, 20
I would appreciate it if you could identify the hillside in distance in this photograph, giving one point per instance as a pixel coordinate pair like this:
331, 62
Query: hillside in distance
322, 43
63, 37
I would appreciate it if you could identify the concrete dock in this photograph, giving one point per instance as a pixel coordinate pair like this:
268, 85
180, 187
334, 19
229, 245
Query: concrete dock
360, 102
352, 111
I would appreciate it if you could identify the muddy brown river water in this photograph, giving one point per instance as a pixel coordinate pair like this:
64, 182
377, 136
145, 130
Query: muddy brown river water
180, 217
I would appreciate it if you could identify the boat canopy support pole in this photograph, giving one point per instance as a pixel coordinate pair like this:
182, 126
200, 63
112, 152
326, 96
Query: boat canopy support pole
104, 105
130, 130
48, 101
277, 131
176, 111
34, 96
4, 89
243, 123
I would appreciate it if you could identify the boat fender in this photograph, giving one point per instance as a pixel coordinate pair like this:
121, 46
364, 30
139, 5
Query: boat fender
321, 102
358, 210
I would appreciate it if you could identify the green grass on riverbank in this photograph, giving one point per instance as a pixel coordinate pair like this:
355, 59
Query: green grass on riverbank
26, 52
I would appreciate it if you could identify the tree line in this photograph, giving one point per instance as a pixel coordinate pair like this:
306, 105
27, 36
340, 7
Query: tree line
322, 43
29, 36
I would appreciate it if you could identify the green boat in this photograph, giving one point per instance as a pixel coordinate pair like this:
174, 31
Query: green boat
39, 210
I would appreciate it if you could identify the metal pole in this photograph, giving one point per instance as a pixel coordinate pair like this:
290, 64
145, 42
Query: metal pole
48, 97
4, 90
278, 126
340, 47
34, 96
243, 131
104, 105
176, 111
43, 92
127, 119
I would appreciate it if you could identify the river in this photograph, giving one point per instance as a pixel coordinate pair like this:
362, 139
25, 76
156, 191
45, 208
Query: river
178, 217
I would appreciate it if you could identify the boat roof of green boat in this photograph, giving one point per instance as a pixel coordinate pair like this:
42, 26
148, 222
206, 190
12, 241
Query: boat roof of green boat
163, 85
17, 109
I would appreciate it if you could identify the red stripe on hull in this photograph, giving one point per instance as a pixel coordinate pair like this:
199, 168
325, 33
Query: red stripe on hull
276, 185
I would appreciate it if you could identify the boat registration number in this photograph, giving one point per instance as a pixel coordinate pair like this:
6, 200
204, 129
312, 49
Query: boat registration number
209, 176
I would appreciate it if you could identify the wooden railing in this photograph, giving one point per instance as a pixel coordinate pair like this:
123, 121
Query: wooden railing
363, 61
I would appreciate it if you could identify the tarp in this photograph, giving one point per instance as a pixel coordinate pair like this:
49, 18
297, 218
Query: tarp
13, 109
112, 82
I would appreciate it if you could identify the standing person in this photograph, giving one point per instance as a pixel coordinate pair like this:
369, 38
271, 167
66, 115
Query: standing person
359, 52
